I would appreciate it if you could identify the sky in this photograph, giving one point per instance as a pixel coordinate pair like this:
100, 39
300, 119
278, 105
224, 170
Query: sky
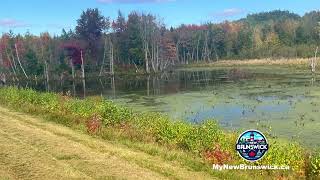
51, 16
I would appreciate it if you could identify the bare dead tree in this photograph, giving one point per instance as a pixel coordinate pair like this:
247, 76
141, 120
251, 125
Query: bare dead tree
108, 52
83, 75
314, 61
145, 40
198, 43
17, 53
14, 62
82, 64
46, 65
206, 51
12, 67
72, 69
111, 58
104, 56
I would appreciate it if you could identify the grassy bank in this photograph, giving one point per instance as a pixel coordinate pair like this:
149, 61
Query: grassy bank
298, 63
35, 149
195, 146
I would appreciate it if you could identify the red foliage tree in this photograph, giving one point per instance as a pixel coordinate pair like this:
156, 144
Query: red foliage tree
4, 43
73, 50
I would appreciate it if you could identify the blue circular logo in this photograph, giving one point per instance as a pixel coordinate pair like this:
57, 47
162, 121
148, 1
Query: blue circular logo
252, 145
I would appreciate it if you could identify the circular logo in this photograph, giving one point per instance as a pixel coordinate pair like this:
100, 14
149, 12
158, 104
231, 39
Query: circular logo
252, 145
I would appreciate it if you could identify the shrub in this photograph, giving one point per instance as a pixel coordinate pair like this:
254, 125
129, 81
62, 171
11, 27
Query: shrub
81, 108
217, 155
94, 124
285, 154
112, 114
315, 165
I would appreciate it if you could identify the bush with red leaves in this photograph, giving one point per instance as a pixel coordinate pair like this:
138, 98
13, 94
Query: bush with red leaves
217, 155
94, 124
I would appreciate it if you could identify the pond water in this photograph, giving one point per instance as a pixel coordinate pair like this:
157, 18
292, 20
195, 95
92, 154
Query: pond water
280, 102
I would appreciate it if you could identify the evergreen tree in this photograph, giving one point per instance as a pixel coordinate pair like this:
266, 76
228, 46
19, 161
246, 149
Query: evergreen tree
90, 27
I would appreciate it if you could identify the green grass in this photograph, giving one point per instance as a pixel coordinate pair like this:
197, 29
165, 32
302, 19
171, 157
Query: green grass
153, 133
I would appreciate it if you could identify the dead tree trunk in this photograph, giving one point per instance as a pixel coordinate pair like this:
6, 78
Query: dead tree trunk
12, 65
12, 68
113, 86
108, 50
3, 79
206, 48
14, 62
104, 56
72, 69
146, 56
82, 65
177, 52
198, 42
17, 53
111, 58
157, 55
83, 75
314, 61
47, 74
148, 85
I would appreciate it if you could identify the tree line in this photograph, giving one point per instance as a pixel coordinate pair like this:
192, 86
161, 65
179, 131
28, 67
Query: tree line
142, 42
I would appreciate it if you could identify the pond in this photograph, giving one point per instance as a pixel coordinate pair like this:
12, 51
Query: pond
280, 102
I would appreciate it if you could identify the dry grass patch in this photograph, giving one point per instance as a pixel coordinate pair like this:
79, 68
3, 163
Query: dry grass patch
282, 61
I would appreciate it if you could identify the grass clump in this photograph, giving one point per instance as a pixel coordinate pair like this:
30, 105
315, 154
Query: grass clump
105, 119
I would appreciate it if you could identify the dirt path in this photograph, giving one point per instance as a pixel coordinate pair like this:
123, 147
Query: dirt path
31, 148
